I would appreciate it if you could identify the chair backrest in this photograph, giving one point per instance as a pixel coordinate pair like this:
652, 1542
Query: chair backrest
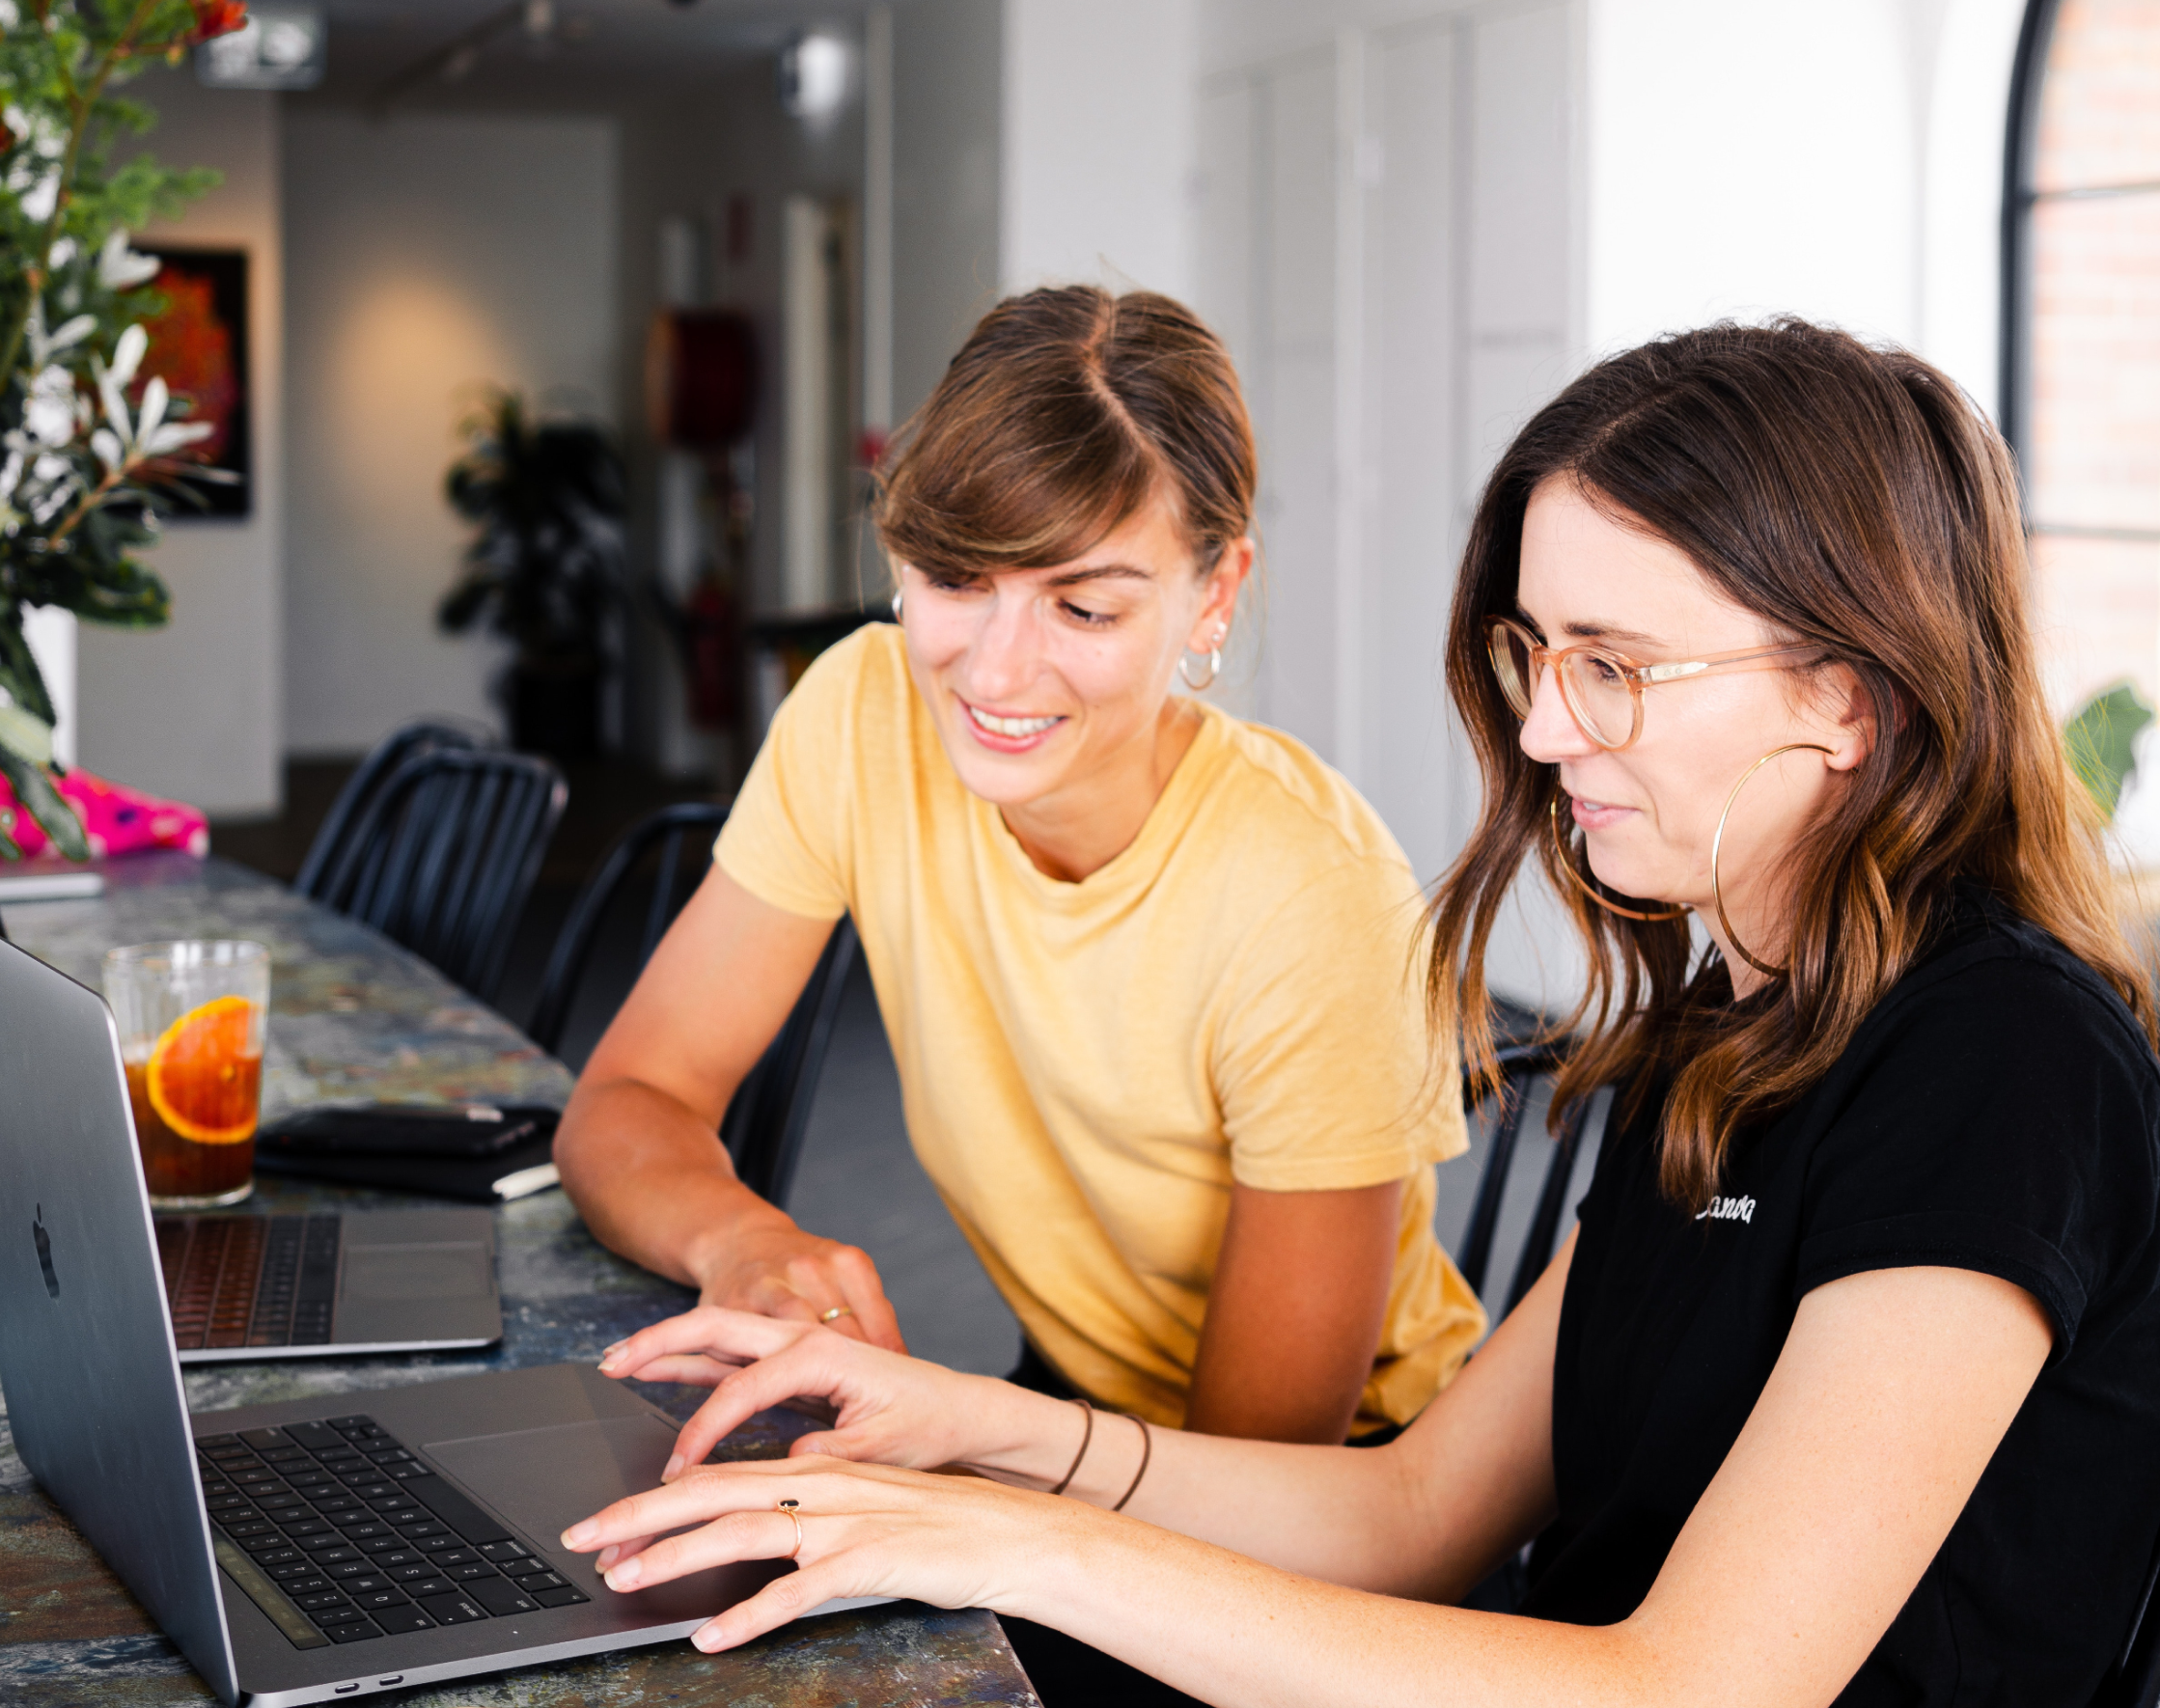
424, 736
1532, 1054
444, 855
770, 1115
667, 831
766, 1122
2134, 1680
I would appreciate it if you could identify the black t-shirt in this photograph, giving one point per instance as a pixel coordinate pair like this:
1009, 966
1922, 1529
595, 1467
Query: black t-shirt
1998, 1111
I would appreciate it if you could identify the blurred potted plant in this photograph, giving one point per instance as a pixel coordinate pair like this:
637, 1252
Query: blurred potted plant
545, 568
85, 450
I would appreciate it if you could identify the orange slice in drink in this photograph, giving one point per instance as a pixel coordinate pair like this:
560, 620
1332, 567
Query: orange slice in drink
203, 1079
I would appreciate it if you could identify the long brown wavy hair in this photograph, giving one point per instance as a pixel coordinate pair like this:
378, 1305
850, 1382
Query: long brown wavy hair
1853, 498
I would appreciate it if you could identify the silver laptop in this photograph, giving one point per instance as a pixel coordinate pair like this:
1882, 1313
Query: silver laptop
306, 1551
254, 1286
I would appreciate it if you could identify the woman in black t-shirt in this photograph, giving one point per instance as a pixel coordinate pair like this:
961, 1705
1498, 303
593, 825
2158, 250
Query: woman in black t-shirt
1848, 1385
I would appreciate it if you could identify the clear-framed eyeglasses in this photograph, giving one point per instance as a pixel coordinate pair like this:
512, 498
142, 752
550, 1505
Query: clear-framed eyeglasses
1602, 689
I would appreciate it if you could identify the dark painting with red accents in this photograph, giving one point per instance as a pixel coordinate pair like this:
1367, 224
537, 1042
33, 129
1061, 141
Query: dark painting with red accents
198, 345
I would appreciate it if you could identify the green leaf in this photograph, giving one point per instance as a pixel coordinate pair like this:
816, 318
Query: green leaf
22, 734
19, 674
36, 797
2102, 742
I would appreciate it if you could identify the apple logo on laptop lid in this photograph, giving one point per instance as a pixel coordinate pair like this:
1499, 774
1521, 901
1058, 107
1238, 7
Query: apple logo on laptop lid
44, 1251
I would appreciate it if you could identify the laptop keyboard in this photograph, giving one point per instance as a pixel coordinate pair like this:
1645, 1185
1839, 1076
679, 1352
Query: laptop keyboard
340, 1534
249, 1280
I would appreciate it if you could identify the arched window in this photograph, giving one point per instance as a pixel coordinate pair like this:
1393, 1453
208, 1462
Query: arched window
2082, 334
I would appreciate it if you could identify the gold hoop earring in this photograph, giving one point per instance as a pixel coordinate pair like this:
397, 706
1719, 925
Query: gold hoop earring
1567, 865
1717, 842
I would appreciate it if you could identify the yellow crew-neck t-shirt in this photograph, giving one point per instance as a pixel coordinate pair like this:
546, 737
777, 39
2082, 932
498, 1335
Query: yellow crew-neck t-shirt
1087, 1067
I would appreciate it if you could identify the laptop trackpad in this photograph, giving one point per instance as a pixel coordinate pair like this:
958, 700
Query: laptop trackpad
545, 1481
405, 1273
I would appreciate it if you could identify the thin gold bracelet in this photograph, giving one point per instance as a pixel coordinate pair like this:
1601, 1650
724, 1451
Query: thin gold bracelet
1147, 1452
1086, 1434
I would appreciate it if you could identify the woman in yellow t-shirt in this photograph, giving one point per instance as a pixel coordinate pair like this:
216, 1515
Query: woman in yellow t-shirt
1149, 971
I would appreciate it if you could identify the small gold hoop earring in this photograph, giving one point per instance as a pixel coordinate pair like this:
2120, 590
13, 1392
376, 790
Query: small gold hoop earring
1717, 842
1567, 865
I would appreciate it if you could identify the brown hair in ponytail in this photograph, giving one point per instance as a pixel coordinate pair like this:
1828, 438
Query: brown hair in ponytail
1066, 411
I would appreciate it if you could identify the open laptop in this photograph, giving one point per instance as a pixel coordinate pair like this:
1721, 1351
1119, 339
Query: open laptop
254, 1286
305, 1550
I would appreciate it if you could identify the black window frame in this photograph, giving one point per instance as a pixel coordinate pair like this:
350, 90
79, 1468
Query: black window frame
2035, 36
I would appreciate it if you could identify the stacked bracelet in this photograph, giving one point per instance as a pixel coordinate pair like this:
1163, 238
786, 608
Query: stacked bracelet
1147, 1452
1086, 1434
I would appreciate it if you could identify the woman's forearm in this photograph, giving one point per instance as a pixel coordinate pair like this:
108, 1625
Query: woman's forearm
1242, 1633
654, 1182
1426, 1516
1349, 1515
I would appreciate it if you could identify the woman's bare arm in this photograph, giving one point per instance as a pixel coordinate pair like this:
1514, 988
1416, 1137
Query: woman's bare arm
1894, 1390
638, 1148
1428, 1515
1294, 1312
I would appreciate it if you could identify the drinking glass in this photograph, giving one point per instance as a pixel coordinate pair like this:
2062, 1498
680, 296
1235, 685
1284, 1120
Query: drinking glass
192, 1021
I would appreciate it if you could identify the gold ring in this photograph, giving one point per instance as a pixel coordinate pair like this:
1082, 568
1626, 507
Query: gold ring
836, 1313
794, 1508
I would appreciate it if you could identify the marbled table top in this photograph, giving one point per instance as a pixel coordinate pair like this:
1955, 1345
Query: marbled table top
352, 1016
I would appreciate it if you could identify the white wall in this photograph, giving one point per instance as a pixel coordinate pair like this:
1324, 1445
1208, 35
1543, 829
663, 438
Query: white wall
428, 256
1964, 65
1099, 138
192, 711
1418, 220
1747, 159
1389, 243
946, 70
1841, 160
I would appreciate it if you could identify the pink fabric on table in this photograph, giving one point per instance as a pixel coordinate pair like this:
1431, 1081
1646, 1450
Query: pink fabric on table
116, 820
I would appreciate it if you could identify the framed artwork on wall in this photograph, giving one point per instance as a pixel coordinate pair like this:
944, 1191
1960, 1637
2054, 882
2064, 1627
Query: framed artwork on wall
198, 345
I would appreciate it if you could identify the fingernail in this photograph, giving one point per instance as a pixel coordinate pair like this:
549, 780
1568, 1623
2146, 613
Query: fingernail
674, 1465
706, 1638
626, 1575
607, 1557
578, 1534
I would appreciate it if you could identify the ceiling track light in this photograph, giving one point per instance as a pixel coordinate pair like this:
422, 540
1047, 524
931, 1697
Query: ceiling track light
453, 61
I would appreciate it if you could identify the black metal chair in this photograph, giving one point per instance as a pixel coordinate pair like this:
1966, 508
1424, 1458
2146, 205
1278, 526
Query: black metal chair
770, 1115
423, 735
1533, 1050
2134, 1680
443, 856
1530, 1049
666, 830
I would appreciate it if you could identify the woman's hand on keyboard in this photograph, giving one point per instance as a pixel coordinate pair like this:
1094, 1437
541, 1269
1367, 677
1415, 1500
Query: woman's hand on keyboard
888, 1409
